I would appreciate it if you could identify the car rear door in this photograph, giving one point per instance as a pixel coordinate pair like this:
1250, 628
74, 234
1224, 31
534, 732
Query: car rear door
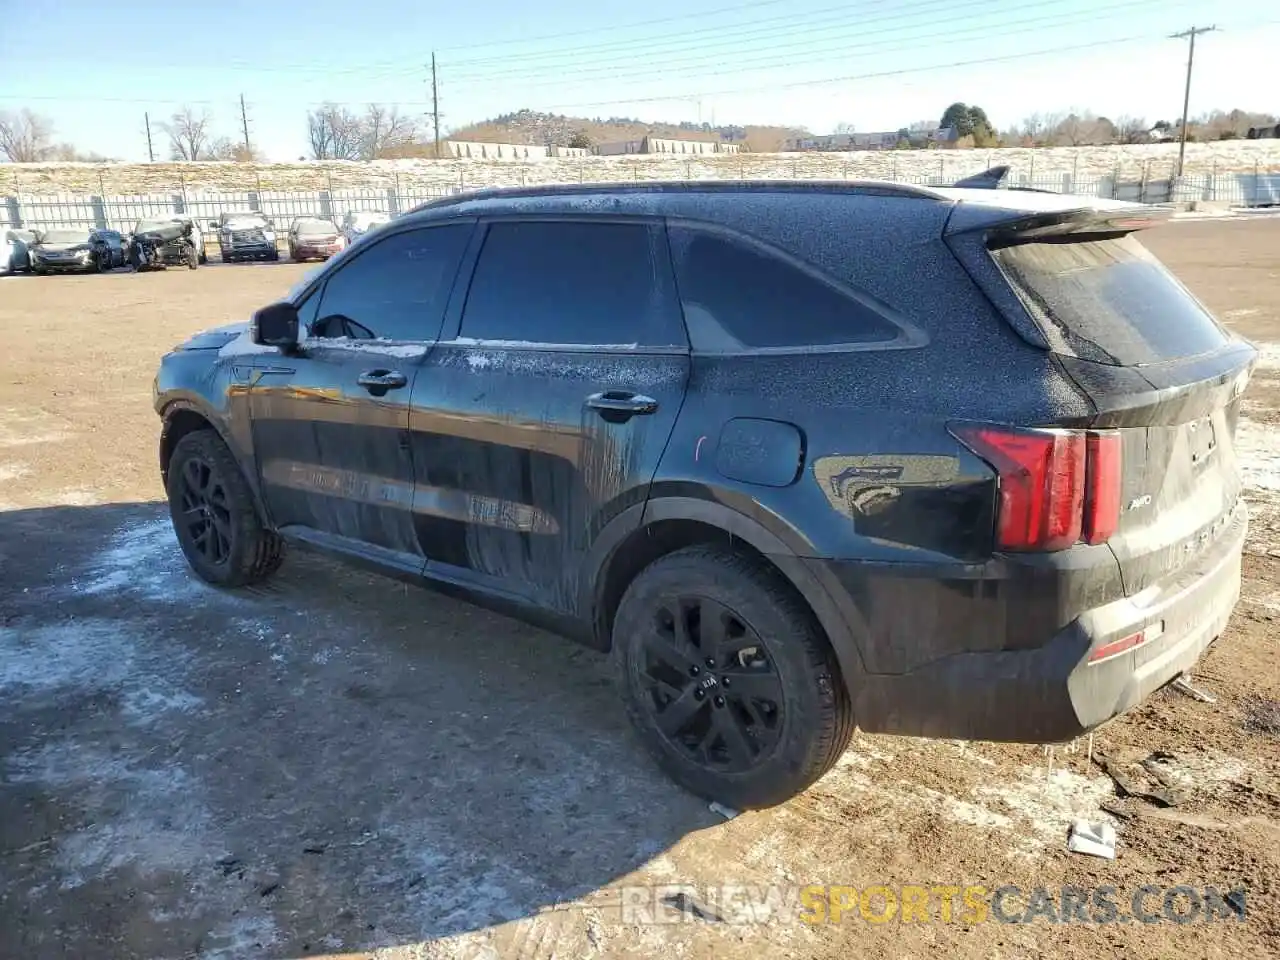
543, 413
330, 423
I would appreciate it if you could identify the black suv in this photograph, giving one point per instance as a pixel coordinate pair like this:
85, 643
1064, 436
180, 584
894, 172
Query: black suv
953, 463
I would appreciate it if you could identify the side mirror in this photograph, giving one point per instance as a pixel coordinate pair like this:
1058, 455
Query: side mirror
276, 325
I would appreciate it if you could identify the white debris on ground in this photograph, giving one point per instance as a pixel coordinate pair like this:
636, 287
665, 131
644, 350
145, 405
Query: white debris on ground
145, 560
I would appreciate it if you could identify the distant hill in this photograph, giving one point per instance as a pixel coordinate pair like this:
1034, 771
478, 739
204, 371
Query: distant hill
549, 129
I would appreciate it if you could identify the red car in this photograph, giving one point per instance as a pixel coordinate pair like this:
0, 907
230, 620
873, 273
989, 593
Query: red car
314, 238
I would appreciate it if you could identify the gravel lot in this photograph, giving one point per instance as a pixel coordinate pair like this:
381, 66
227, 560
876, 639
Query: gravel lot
338, 765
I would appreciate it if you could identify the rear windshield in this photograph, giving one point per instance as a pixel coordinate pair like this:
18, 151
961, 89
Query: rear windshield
1110, 300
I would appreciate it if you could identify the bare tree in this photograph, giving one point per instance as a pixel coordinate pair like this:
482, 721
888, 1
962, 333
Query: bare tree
25, 137
335, 133
1132, 129
189, 134
384, 129
844, 129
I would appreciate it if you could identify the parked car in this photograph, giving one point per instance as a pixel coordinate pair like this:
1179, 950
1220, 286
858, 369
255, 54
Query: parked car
15, 246
164, 245
246, 236
356, 223
108, 249
63, 250
942, 462
163, 221
314, 238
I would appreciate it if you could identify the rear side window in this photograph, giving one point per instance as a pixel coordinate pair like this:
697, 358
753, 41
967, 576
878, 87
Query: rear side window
739, 296
396, 289
1110, 300
572, 282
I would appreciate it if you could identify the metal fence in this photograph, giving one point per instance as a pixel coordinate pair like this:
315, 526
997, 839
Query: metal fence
122, 212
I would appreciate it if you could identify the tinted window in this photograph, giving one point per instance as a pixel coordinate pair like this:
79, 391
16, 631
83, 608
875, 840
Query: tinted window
572, 283
738, 296
1111, 300
396, 289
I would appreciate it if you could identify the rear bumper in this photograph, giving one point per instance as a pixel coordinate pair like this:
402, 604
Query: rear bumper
1053, 692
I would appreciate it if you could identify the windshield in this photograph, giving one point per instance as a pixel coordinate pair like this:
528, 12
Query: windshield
66, 236
243, 220
315, 225
26, 236
156, 224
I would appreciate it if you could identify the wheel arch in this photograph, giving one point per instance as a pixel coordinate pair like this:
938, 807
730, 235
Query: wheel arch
181, 417
645, 532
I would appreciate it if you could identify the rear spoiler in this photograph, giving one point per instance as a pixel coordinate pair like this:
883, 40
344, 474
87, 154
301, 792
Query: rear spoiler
1004, 226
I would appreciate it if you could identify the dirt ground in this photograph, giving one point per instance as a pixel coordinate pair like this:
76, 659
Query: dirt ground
337, 765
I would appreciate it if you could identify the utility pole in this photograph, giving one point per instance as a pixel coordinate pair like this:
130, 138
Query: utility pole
244, 124
1190, 35
146, 118
435, 103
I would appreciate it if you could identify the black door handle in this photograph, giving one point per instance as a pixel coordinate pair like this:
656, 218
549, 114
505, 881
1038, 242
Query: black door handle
378, 382
617, 406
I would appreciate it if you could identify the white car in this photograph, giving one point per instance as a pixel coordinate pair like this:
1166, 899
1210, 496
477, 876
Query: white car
359, 222
15, 250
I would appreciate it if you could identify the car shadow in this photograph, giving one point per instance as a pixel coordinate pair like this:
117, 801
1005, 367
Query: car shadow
329, 758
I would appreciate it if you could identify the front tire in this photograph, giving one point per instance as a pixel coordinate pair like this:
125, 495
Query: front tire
214, 516
728, 679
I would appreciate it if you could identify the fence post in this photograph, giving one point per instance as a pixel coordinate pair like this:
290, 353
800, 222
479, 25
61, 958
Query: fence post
1213, 181
182, 186
1142, 184
1257, 186
942, 167
1075, 171
1115, 179
895, 166
1031, 177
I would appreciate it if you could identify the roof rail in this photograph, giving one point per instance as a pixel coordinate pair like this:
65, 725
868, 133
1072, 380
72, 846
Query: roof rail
883, 188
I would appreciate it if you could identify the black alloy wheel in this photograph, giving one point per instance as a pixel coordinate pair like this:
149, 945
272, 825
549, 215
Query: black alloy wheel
712, 689
206, 512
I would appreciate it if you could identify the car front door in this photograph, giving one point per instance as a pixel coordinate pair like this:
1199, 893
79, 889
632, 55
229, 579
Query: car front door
543, 412
330, 423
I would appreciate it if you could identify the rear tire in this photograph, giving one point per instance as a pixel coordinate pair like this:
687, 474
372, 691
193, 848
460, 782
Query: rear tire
728, 679
214, 516
204, 258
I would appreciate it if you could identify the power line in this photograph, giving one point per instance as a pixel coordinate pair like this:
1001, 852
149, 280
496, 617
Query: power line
1191, 35
835, 44
619, 26
732, 33
1074, 48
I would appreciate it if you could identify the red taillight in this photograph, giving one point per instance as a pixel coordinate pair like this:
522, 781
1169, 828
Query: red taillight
1102, 479
1057, 487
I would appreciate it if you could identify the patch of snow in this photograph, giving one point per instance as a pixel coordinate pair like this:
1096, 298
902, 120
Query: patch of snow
382, 348
145, 560
479, 361
160, 824
243, 936
145, 705
78, 655
1047, 803
13, 471
1209, 773
535, 345
1268, 356
1258, 448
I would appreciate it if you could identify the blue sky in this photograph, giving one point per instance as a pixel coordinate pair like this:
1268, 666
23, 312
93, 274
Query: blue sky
95, 68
